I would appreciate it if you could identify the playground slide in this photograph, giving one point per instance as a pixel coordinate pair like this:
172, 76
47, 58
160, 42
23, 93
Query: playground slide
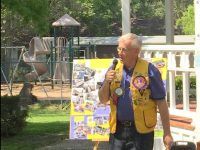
36, 57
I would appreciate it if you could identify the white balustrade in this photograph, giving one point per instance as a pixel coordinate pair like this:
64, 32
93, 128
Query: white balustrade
185, 62
172, 51
186, 68
159, 54
183, 67
147, 54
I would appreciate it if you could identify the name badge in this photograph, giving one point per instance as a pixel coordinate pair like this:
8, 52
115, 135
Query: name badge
119, 91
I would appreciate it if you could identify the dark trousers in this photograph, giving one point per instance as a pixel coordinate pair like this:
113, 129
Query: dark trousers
127, 138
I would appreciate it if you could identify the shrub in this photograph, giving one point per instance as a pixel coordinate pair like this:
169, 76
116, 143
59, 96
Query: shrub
13, 115
192, 82
179, 83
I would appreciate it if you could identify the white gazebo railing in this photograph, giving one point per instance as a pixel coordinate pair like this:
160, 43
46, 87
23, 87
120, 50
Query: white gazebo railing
181, 62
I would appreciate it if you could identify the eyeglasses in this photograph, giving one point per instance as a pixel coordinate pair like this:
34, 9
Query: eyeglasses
122, 49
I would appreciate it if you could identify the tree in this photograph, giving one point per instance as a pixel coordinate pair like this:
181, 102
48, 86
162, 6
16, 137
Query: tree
97, 17
180, 6
186, 22
34, 12
147, 17
22, 18
13, 30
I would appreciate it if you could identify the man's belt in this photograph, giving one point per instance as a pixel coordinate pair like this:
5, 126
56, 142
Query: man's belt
125, 123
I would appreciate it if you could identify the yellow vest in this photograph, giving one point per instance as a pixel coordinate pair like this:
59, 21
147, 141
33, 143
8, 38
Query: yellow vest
145, 114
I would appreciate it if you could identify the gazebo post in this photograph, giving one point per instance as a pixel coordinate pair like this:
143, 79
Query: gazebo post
169, 22
126, 23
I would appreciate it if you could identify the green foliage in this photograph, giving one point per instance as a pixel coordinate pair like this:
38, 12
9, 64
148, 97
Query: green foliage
179, 83
97, 18
180, 6
147, 17
186, 22
32, 12
193, 82
144, 9
13, 117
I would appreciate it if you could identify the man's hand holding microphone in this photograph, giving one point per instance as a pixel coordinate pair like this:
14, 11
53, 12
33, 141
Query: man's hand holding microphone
110, 75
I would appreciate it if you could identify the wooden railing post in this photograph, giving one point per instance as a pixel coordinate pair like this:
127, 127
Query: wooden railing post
185, 64
171, 67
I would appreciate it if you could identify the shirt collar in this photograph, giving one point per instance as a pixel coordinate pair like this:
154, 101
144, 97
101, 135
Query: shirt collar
129, 71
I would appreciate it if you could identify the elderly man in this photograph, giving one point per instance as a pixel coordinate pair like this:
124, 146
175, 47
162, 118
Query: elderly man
135, 89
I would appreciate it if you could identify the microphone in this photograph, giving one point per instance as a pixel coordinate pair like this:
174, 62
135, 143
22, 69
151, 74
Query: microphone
115, 61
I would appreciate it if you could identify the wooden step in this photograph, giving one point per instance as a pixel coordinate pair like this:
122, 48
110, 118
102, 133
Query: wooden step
181, 125
181, 119
181, 122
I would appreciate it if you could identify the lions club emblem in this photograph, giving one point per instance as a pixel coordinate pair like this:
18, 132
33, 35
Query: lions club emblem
140, 82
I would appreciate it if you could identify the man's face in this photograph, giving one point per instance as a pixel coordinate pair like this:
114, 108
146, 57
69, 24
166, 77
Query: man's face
127, 54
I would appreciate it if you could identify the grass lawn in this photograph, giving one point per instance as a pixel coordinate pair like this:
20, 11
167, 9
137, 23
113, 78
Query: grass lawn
46, 125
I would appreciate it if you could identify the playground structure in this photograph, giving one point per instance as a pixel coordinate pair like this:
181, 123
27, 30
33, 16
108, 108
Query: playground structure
50, 60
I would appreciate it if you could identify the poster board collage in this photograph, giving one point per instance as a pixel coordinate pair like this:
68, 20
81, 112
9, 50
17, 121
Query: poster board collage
89, 119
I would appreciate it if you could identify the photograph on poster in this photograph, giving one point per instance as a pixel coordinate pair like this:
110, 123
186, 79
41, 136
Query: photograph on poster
79, 67
78, 103
101, 120
79, 128
77, 83
78, 74
101, 130
81, 132
89, 86
77, 92
89, 105
89, 72
92, 96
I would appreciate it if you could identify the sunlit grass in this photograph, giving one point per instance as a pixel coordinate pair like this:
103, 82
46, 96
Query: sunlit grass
46, 124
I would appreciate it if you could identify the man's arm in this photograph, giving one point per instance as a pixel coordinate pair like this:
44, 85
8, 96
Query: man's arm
104, 91
164, 113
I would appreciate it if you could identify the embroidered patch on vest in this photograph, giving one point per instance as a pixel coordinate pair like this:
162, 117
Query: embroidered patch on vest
140, 82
